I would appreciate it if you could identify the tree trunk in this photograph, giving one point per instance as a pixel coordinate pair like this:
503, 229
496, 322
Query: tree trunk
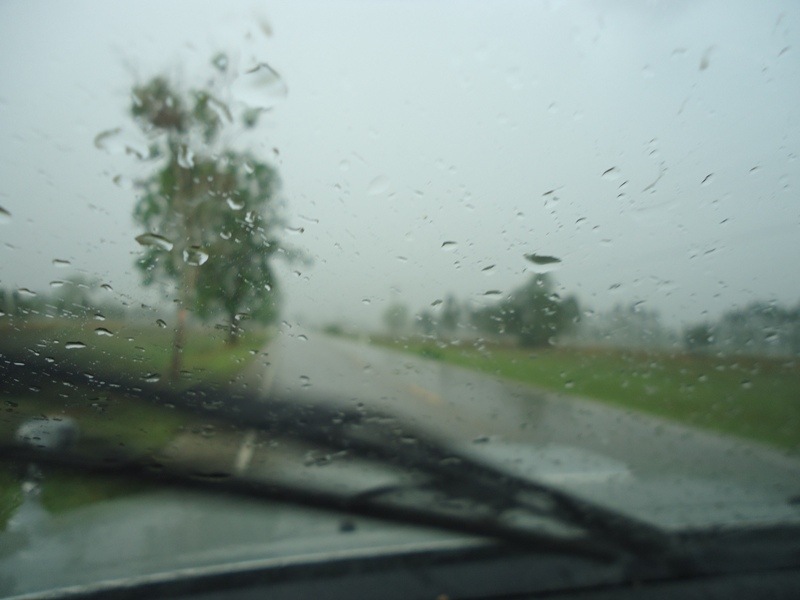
176, 362
177, 346
233, 330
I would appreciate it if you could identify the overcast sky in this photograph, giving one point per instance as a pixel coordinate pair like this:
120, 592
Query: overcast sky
410, 124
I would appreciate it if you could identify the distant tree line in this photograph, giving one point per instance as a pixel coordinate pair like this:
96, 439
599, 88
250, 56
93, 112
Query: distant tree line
73, 297
631, 325
758, 328
532, 315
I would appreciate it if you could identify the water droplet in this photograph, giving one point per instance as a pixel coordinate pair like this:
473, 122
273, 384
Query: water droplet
260, 87
707, 179
152, 377
99, 317
153, 239
195, 256
366, 301
436, 302
103, 331
57, 283
542, 259
294, 230
101, 139
60, 262
122, 182
449, 245
26, 292
74, 345
705, 60
220, 61
161, 323
114, 142
302, 337
185, 157
107, 287
492, 293
611, 174
489, 268
481, 439
235, 203
5, 216
305, 380
747, 384
378, 185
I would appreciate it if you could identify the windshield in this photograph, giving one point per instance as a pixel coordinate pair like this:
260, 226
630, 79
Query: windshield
354, 248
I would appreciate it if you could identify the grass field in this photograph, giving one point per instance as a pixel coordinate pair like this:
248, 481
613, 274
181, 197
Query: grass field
108, 422
133, 349
749, 397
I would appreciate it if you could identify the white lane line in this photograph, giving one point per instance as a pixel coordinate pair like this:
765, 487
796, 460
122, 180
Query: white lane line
245, 453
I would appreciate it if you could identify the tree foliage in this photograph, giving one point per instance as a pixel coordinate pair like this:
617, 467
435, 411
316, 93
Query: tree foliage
210, 213
395, 317
698, 337
533, 313
759, 328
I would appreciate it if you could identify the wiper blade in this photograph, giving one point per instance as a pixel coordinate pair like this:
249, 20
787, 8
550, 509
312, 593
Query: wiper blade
175, 477
492, 495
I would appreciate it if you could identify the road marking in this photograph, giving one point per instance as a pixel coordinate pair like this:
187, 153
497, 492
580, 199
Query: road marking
245, 453
425, 394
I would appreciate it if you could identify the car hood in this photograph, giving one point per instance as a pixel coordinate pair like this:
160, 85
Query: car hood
668, 499
155, 533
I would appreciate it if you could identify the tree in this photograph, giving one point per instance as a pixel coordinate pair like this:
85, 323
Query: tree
631, 325
451, 314
698, 337
238, 279
396, 317
208, 212
72, 297
426, 322
534, 313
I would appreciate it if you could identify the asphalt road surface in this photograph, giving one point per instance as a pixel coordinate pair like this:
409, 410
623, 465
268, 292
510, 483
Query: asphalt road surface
463, 407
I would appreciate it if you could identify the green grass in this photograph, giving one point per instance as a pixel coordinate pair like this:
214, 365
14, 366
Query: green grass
134, 349
108, 422
10, 493
750, 397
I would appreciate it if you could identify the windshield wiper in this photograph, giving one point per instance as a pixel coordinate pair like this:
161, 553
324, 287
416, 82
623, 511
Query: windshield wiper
474, 497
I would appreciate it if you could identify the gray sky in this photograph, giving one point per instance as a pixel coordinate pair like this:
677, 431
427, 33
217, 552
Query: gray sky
409, 124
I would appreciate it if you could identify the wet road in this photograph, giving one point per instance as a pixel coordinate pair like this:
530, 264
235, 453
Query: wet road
645, 467
462, 406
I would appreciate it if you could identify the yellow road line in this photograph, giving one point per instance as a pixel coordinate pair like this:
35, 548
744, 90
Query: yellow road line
245, 453
426, 395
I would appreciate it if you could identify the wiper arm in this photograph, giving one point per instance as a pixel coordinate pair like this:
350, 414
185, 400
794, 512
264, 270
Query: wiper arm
145, 470
493, 494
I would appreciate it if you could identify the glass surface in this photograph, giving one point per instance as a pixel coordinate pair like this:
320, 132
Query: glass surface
560, 238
